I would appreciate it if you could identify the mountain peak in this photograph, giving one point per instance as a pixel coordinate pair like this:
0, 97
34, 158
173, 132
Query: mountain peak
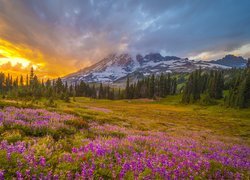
232, 61
116, 67
155, 57
231, 56
124, 59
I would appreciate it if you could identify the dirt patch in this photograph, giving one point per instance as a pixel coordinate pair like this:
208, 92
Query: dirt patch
143, 100
146, 100
99, 109
10, 101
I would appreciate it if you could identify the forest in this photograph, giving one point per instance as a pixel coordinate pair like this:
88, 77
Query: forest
202, 86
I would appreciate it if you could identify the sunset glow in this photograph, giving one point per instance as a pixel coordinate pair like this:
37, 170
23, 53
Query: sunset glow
124, 89
18, 59
61, 38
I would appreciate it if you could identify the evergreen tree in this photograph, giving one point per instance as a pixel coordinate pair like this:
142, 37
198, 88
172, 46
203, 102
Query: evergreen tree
248, 63
152, 86
66, 97
239, 94
31, 76
27, 80
211, 84
59, 87
21, 81
2, 82
127, 90
101, 92
192, 90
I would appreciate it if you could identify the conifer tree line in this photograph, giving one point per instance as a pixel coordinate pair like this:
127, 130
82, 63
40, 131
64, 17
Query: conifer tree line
99, 91
209, 86
209, 83
205, 86
151, 87
29, 87
239, 92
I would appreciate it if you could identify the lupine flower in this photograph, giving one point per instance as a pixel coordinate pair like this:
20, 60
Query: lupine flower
117, 152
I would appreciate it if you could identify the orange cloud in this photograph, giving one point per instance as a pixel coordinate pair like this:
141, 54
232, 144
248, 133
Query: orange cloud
15, 70
18, 59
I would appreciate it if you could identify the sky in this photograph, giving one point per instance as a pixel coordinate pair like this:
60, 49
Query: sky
58, 37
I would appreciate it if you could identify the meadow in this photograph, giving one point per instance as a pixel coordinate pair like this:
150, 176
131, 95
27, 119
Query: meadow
123, 139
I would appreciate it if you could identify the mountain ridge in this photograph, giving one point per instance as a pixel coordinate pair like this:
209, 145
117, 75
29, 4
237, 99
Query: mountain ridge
117, 66
232, 61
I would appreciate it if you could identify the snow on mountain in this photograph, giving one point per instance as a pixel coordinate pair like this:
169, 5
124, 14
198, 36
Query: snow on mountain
115, 67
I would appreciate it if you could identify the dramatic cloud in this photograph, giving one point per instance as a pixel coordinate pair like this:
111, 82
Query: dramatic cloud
61, 36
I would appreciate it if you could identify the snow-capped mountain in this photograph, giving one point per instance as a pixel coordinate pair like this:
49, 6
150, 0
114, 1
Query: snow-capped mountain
117, 66
108, 69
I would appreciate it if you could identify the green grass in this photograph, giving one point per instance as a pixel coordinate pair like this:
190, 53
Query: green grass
167, 114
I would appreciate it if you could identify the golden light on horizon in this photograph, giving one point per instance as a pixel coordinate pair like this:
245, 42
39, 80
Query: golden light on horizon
15, 54
17, 59
14, 61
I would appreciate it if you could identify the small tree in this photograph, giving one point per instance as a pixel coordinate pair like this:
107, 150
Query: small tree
67, 98
127, 90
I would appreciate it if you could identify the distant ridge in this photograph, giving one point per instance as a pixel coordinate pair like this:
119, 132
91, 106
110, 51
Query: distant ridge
232, 61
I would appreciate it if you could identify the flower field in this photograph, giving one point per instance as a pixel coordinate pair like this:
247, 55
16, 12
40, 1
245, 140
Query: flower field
40, 144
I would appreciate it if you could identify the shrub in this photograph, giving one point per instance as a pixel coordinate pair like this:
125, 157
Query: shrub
12, 136
207, 100
77, 123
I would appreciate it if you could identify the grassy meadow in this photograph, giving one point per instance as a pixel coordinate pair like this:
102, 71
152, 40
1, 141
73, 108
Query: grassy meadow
104, 137
166, 114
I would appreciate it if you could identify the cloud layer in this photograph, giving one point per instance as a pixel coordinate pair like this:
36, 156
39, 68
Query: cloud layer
60, 36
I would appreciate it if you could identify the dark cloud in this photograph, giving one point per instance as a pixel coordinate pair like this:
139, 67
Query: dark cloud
80, 32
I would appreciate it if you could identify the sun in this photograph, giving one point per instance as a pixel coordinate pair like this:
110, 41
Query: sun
18, 59
10, 54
